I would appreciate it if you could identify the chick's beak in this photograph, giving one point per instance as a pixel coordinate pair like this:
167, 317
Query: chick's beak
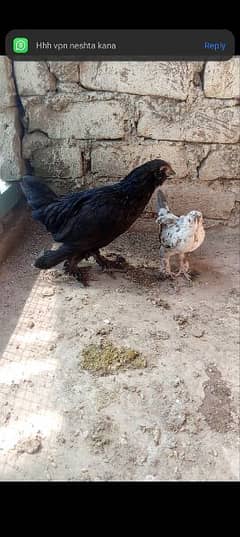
198, 218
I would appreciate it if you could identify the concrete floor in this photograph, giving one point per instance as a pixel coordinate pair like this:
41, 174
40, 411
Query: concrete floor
175, 419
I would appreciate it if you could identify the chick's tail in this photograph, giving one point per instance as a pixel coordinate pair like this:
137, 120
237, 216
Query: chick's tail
161, 201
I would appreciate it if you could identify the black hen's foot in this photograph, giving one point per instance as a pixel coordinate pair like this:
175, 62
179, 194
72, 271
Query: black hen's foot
118, 260
81, 275
106, 264
194, 274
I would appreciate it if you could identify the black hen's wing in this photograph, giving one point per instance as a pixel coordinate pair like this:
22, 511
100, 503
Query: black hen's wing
89, 219
58, 216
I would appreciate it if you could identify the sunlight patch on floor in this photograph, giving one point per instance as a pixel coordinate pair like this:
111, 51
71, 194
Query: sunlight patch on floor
27, 373
17, 372
43, 424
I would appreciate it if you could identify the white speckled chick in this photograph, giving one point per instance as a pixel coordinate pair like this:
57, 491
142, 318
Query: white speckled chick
178, 235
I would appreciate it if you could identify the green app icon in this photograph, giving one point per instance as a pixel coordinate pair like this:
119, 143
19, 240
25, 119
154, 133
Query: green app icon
20, 45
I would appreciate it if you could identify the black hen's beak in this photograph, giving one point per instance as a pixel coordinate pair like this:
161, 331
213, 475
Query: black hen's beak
170, 173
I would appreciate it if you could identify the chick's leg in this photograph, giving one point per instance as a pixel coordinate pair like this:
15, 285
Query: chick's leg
165, 267
108, 264
168, 270
184, 267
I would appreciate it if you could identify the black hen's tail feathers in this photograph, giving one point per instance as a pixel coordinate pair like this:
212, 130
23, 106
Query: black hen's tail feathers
51, 258
37, 193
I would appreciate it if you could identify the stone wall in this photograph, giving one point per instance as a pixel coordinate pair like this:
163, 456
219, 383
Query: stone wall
11, 162
90, 123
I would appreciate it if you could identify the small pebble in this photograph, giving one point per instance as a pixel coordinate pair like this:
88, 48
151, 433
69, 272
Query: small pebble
198, 332
30, 445
48, 292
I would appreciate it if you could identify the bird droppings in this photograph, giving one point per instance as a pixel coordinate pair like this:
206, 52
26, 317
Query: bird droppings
5, 416
60, 439
154, 431
107, 358
181, 319
142, 276
217, 407
159, 303
100, 435
160, 334
185, 318
176, 419
104, 331
177, 382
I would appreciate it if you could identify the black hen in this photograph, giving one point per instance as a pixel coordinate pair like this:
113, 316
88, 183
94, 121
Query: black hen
87, 221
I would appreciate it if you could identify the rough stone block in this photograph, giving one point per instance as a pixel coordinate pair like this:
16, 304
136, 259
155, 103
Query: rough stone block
65, 71
58, 160
32, 142
197, 122
34, 78
72, 88
215, 203
165, 79
224, 163
222, 79
81, 120
117, 160
7, 88
11, 163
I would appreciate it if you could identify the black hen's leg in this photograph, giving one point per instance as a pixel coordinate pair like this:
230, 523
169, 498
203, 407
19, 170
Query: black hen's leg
71, 268
107, 264
51, 258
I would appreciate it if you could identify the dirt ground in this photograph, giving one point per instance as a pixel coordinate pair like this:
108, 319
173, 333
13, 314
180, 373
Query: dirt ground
177, 418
